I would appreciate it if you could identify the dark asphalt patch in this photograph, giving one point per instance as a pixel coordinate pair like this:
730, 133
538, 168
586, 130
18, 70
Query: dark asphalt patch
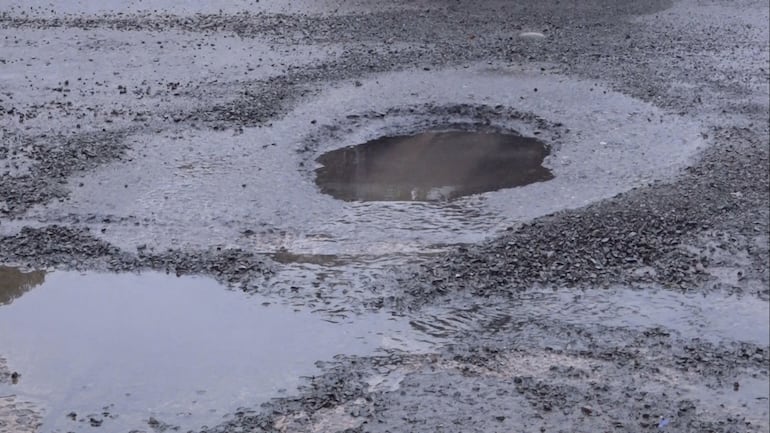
640, 237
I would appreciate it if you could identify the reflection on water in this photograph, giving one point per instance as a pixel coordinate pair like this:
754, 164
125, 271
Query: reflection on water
14, 283
432, 166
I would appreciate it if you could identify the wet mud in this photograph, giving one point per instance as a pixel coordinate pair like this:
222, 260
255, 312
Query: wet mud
627, 293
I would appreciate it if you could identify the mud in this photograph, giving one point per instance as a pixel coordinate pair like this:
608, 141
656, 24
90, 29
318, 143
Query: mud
177, 138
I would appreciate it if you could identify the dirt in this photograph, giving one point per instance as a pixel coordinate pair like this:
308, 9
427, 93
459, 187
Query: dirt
184, 140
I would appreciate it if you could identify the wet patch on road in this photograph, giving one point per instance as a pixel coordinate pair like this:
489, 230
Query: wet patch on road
598, 377
16, 415
19, 416
176, 346
431, 166
596, 360
120, 350
717, 317
261, 181
32, 170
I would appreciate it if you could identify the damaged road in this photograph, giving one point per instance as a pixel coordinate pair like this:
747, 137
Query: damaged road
629, 292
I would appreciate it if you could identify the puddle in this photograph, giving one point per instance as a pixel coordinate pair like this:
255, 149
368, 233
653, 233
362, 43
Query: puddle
748, 396
431, 166
124, 348
714, 317
14, 283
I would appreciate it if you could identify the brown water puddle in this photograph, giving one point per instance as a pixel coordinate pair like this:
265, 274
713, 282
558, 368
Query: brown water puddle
432, 166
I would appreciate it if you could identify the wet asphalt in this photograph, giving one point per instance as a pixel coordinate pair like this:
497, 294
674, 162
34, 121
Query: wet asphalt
183, 139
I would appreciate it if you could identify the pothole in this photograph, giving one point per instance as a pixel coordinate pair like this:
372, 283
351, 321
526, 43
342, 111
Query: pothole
432, 166
257, 190
119, 350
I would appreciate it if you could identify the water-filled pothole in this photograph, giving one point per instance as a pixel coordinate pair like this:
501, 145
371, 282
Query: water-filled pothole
119, 349
432, 166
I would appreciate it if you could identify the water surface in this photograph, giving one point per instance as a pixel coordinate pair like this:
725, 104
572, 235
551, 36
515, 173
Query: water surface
123, 348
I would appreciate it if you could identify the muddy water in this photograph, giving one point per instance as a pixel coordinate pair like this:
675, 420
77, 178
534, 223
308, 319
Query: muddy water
431, 166
120, 349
